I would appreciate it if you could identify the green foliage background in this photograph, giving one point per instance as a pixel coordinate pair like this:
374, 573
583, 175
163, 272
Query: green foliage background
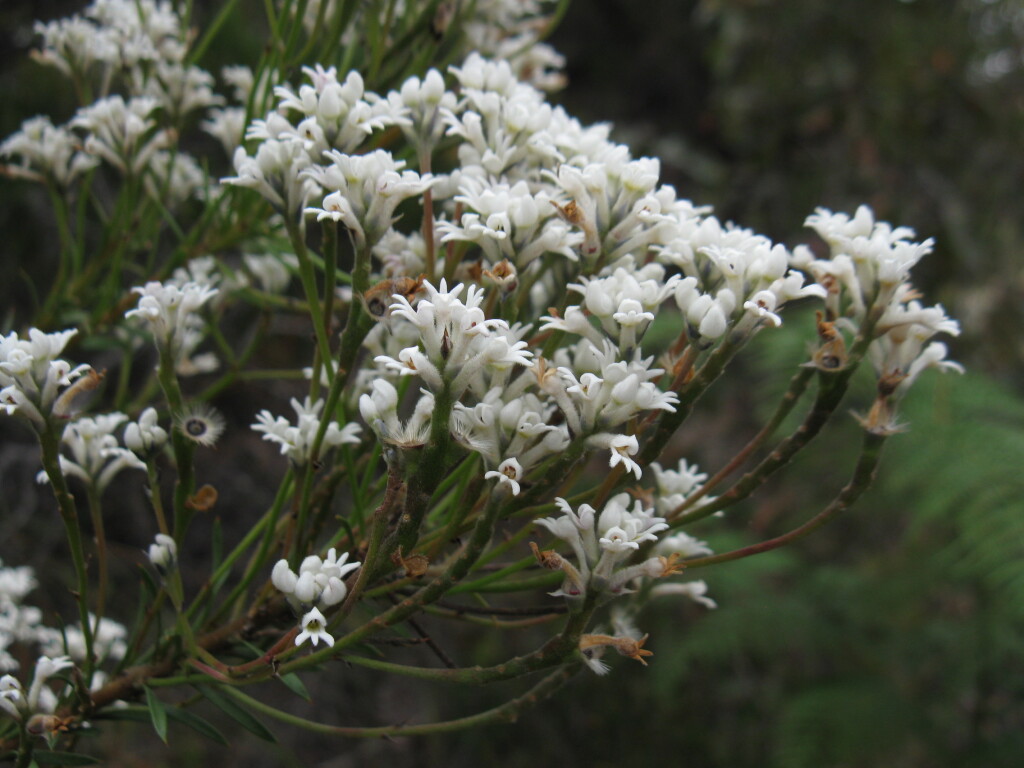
895, 637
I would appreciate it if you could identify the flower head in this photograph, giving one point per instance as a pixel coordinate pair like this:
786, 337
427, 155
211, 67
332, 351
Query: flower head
314, 629
318, 580
509, 473
201, 424
163, 553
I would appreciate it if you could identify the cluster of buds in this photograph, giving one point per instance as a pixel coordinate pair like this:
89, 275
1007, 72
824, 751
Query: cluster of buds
318, 584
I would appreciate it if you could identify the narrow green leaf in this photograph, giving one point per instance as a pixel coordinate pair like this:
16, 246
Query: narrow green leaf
158, 714
197, 724
295, 685
141, 715
236, 713
217, 544
63, 758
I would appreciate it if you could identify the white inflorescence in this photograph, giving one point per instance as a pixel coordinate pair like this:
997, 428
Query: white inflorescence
555, 300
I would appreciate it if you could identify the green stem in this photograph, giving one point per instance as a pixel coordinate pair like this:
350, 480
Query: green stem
50, 443
507, 712
265, 528
96, 515
155, 496
428, 475
308, 279
797, 387
669, 422
25, 747
482, 533
428, 215
832, 388
862, 476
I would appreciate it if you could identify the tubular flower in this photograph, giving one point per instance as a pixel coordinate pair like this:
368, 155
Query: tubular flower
603, 543
318, 581
31, 376
363, 192
296, 440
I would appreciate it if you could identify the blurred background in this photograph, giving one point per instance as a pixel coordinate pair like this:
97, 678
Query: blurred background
894, 637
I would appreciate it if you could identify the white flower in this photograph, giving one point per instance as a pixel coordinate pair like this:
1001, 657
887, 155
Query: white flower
682, 544
12, 697
227, 125
201, 424
44, 149
146, 434
314, 629
272, 271
108, 640
364, 191
622, 447
96, 456
163, 553
317, 581
675, 486
695, 590
173, 178
276, 173
16, 582
331, 114
172, 314
122, 132
509, 473
422, 102
31, 376
39, 699
296, 440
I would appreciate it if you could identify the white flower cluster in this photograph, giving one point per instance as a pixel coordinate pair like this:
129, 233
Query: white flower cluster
296, 440
364, 191
510, 223
21, 624
675, 486
122, 133
602, 543
318, 584
734, 280
548, 204
32, 376
96, 456
868, 273
319, 581
47, 150
39, 699
114, 34
18, 622
172, 313
461, 349
137, 46
333, 119
109, 640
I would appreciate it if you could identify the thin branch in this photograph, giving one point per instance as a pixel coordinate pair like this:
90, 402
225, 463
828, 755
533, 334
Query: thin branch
862, 476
